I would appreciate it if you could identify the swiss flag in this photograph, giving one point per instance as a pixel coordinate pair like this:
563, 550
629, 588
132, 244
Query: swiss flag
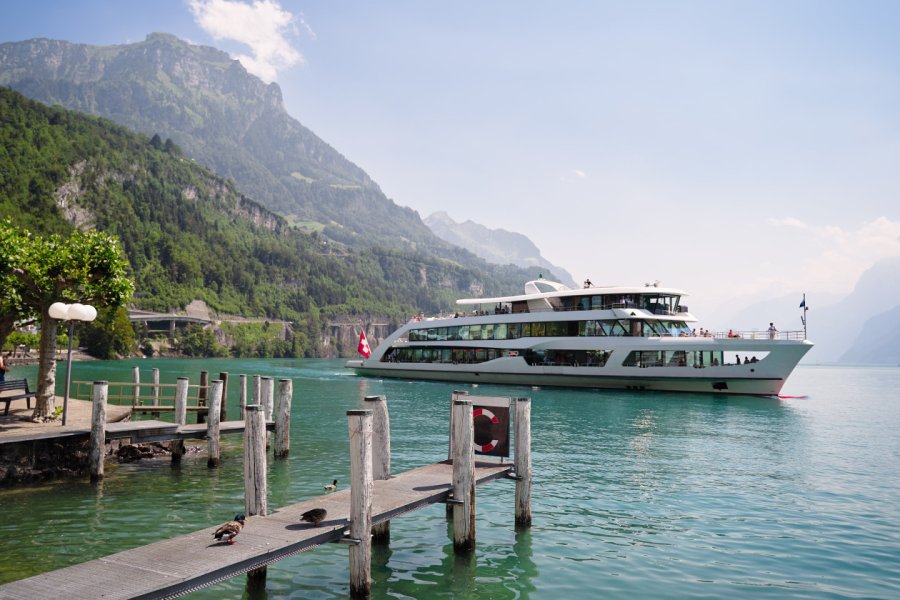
363, 347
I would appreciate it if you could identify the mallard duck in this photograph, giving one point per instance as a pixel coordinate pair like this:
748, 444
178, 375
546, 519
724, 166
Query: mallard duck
230, 529
314, 516
331, 486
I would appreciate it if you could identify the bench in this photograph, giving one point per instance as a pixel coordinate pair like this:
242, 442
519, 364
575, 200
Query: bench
19, 389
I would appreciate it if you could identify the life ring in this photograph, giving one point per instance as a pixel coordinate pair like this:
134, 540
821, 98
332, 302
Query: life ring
479, 412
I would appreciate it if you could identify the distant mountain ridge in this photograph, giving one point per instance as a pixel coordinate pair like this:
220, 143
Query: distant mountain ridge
225, 119
498, 246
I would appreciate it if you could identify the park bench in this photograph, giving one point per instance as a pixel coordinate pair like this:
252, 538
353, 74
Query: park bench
15, 389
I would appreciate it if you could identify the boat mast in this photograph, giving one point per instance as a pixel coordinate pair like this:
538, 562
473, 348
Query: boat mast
803, 316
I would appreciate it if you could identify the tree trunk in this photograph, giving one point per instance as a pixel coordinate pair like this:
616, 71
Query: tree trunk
46, 383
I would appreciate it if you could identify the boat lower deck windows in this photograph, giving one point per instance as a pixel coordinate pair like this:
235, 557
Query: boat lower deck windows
698, 359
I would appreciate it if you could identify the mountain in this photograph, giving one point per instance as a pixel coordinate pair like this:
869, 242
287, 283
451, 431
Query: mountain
879, 341
494, 245
226, 119
188, 234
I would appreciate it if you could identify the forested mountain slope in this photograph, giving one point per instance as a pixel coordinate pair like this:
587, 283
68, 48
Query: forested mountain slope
189, 234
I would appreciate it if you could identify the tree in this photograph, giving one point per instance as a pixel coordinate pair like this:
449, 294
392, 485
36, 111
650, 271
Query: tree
87, 267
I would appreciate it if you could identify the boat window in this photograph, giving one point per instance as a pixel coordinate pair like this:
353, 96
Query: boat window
475, 332
487, 331
500, 331
514, 331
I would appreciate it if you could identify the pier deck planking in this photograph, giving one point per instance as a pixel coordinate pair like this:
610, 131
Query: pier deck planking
189, 562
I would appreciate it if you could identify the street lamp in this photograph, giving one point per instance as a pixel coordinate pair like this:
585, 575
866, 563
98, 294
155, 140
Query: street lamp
71, 313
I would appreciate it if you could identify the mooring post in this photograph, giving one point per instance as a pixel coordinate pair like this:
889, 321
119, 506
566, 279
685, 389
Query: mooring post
463, 500
202, 394
381, 455
212, 424
242, 395
523, 461
453, 397
98, 430
361, 488
155, 376
283, 418
267, 399
135, 386
224, 411
181, 394
255, 485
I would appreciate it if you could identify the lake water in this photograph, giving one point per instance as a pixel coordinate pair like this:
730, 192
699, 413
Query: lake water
635, 494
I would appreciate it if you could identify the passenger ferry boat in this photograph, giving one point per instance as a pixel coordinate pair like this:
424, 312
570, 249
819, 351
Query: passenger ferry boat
638, 338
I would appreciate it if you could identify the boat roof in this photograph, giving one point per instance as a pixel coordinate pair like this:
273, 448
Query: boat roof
560, 291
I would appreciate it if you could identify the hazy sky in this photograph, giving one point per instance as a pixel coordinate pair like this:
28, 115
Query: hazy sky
737, 150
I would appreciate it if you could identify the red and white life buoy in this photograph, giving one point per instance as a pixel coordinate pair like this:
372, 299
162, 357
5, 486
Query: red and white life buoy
478, 412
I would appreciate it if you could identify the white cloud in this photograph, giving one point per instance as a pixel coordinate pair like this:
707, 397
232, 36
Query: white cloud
573, 175
263, 26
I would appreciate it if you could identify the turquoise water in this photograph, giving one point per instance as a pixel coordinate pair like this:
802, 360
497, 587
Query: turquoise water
635, 494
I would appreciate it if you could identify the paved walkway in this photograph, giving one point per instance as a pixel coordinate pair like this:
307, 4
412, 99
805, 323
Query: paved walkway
78, 416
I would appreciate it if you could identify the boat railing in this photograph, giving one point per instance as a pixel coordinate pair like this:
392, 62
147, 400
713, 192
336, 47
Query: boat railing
757, 335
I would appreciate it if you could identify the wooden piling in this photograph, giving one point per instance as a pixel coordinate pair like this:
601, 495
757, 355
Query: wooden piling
463, 477
224, 410
255, 487
242, 395
98, 430
135, 386
255, 484
155, 376
212, 424
267, 396
181, 394
202, 393
523, 461
456, 394
283, 418
361, 489
381, 455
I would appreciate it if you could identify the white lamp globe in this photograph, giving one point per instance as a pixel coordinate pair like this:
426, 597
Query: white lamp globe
78, 312
59, 310
90, 312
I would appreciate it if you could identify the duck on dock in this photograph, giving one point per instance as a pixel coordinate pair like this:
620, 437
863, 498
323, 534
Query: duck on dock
314, 516
331, 486
230, 529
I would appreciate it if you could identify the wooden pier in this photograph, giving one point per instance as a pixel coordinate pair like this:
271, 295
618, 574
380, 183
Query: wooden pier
161, 569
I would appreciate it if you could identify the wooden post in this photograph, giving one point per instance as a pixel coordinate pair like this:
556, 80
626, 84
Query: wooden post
155, 389
181, 394
242, 398
212, 424
255, 485
463, 477
202, 393
523, 461
381, 456
136, 386
98, 430
155, 377
266, 398
223, 416
361, 487
453, 397
283, 418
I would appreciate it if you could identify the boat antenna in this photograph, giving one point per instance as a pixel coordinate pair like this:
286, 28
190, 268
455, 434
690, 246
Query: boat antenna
803, 316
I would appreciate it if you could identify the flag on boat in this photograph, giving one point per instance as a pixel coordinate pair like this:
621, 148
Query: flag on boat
363, 347
803, 303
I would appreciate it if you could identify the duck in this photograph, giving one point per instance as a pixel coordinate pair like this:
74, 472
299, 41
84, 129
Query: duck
331, 486
230, 529
314, 516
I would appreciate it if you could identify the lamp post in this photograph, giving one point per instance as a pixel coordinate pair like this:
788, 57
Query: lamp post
71, 313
